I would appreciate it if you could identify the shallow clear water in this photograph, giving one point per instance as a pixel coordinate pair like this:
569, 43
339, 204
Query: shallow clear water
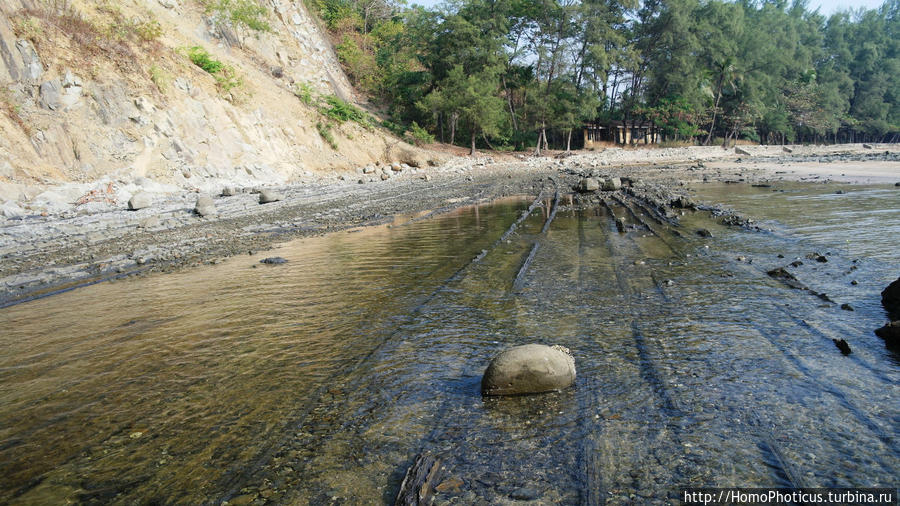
319, 380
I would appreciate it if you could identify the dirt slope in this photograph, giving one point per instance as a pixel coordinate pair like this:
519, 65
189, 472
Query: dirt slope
98, 94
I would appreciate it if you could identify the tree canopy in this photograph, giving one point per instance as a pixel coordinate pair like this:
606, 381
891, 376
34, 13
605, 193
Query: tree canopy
525, 74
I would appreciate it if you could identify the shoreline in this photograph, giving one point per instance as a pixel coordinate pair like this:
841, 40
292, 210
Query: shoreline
43, 255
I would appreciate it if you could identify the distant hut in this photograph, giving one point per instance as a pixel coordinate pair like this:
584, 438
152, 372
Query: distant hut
618, 133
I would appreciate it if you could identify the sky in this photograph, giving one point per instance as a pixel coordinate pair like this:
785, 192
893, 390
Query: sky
826, 7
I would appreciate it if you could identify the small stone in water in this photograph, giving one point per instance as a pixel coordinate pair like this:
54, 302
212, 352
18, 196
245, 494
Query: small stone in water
273, 260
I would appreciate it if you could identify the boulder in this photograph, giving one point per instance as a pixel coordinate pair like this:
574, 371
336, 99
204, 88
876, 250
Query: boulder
51, 95
139, 200
205, 206
266, 196
229, 191
890, 299
611, 184
588, 184
684, 203
890, 333
529, 369
741, 151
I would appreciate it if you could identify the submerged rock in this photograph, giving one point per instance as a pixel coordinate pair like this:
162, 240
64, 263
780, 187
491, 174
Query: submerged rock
529, 369
273, 260
787, 278
890, 299
843, 346
702, 232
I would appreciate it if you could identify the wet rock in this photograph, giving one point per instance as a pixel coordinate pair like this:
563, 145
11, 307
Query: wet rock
385, 177
450, 485
740, 151
683, 203
229, 191
890, 299
525, 494
897, 184
588, 184
702, 232
266, 196
611, 184
867, 146
854, 282
369, 170
846, 307
796, 263
787, 278
529, 369
205, 206
890, 333
817, 257
843, 346
620, 225
140, 200
273, 260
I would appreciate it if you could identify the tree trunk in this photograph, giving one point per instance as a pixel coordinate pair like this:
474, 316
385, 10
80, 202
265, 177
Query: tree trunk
569, 141
453, 117
712, 126
472, 153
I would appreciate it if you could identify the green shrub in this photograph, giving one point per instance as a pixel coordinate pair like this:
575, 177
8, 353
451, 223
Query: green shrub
228, 79
304, 92
325, 131
341, 111
160, 78
201, 58
418, 135
241, 13
148, 31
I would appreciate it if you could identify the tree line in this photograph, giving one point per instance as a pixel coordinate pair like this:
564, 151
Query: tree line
528, 74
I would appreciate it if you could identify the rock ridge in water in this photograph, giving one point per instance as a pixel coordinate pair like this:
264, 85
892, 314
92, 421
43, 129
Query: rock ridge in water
529, 369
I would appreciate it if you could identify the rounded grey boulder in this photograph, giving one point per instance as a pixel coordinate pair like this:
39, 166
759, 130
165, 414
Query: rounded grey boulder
205, 206
529, 369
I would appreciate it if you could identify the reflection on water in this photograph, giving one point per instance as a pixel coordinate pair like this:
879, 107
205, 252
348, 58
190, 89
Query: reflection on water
319, 380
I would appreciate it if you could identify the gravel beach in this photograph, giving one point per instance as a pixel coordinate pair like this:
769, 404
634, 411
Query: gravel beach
70, 244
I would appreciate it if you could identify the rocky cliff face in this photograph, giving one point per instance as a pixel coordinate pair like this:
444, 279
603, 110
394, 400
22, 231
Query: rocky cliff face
100, 96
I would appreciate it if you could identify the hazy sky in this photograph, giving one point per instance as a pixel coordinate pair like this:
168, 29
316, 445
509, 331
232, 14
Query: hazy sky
827, 7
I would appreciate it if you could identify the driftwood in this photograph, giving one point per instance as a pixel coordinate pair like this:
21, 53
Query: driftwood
520, 277
420, 480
